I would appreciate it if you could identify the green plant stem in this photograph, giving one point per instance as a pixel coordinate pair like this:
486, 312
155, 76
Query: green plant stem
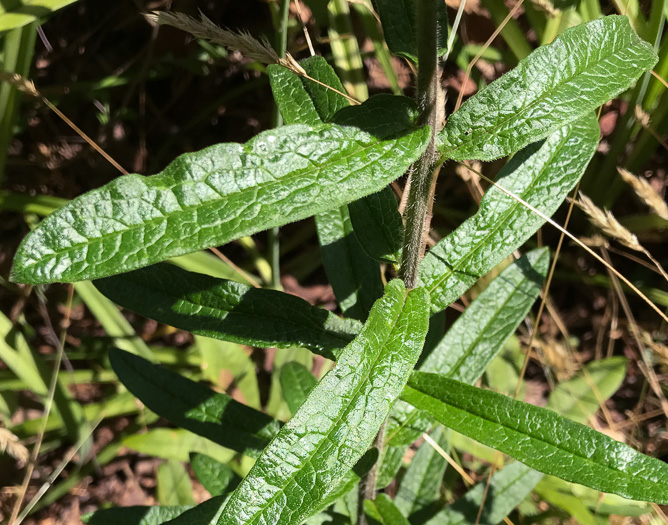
277, 121
421, 184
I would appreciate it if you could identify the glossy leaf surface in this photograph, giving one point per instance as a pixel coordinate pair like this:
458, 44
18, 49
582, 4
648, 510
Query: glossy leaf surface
540, 438
559, 83
211, 197
193, 406
542, 175
339, 419
228, 310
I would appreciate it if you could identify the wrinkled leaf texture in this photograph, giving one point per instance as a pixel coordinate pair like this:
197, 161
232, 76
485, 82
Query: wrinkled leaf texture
542, 175
559, 83
339, 419
540, 438
211, 197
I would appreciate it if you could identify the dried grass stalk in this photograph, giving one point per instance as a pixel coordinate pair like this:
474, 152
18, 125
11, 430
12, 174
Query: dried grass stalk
608, 224
242, 41
647, 194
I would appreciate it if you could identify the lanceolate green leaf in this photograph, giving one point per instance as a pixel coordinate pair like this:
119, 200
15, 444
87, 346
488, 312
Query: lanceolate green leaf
18, 13
355, 278
211, 197
420, 487
384, 510
193, 406
507, 489
476, 338
339, 419
206, 513
540, 438
296, 383
173, 484
559, 83
228, 310
542, 175
378, 225
478, 335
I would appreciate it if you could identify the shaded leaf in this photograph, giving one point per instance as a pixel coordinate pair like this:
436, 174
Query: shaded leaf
339, 419
207, 513
559, 83
507, 489
228, 310
398, 20
540, 438
194, 407
133, 515
385, 511
378, 225
174, 487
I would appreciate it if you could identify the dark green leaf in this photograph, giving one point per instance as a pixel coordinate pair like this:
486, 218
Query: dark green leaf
542, 175
228, 310
217, 478
327, 102
296, 383
355, 278
390, 462
507, 489
583, 68
206, 513
211, 197
398, 20
540, 438
133, 515
193, 406
420, 487
340, 418
378, 225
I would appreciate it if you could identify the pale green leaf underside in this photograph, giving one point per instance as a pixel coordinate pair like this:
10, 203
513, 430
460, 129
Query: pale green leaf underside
559, 83
211, 197
542, 175
540, 438
228, 310
339, 419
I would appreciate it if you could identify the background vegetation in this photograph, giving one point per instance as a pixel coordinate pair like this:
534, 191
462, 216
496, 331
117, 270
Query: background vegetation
145, 94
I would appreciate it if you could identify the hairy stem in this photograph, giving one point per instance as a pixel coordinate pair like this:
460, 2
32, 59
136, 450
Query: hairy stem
421, 187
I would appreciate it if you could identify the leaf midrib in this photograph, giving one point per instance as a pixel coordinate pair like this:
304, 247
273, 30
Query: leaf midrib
353, 399
546, 95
